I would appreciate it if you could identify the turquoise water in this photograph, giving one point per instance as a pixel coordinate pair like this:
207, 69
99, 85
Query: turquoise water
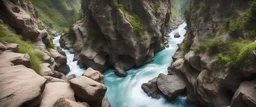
126, 91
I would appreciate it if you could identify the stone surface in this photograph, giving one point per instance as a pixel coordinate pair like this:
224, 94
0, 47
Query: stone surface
151, 88
194, 60
87, 89
126, 46
61, 61
62, 102
46, 70
54, 91
245, 95
177, 35
19, 86
11, 58
94, 75
171, 85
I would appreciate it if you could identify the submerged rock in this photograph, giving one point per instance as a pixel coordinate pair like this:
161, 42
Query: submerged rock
177, 35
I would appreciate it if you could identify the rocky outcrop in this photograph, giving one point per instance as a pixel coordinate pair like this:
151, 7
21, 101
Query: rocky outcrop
88, 91
122, 33
20, 86
61, 61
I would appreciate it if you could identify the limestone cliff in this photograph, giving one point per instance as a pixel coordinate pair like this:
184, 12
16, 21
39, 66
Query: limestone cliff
216, 59
121, 33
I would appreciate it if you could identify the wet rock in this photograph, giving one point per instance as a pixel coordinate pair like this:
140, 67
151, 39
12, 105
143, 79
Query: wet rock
60, 51
71, 76
54, 91
171, 85
19, 86
151, 88
94, 75
87, 89
62, 102
177, 35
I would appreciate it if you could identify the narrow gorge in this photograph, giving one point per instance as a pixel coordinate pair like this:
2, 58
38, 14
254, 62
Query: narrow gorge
127, 53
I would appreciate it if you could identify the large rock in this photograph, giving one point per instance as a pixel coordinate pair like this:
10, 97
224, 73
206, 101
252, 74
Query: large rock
62, 102
19, 86
54, 91
245, 96
61, 61
102, 103
194, 60
151, 88
126, 46
87, 89
94, 75
46, 70
171, 85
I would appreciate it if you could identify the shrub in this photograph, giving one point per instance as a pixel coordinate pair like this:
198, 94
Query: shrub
24, 46
213, 46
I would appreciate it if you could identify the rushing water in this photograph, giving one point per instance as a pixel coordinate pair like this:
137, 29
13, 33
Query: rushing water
126, 91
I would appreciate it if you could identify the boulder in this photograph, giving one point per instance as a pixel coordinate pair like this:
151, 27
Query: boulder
63, 102
177, 35
19, 86
52, 79
87, 89
11, 58
171, 85
54, 91
61, 61
245, 96
46, 70
176, 66
102, 103
2, 46
71, 76
94, 75
151, 88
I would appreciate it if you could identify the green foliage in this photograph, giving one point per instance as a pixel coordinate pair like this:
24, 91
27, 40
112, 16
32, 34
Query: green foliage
58, 13
213, 46
186, 44
24, 46
250, 19
135, 21
238, 54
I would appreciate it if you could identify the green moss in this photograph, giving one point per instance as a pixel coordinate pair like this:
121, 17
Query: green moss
212, 46
135, 21
24, 46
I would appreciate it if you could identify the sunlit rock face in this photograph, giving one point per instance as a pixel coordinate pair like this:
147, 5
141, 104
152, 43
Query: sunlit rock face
121, 33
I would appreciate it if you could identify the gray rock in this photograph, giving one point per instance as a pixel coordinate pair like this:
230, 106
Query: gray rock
151, 88
11, 58
171, 85
12, 46
71, 76
61, 61
87, 89
194, 60
177, 35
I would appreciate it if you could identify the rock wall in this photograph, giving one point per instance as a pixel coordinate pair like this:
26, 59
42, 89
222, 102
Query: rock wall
121, 33
209, 81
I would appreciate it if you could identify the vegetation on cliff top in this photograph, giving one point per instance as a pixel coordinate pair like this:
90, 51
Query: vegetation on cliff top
133, 19
6, 35
58, 13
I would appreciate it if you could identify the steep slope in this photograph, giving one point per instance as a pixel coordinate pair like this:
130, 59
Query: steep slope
58, 13
121, 33
217, 55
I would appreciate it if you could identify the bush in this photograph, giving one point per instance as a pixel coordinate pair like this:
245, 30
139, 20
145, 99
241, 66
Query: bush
212, 47
24, 47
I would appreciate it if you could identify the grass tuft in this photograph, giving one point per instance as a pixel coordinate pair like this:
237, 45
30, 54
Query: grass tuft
6, 35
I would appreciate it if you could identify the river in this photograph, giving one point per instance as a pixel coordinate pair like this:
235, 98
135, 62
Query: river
126, 91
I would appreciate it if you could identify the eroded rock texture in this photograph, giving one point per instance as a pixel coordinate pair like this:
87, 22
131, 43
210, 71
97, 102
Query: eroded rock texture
121, 33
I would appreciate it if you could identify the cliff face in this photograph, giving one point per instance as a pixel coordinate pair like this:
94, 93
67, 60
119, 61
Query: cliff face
121, 33
216, 58
217, 54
